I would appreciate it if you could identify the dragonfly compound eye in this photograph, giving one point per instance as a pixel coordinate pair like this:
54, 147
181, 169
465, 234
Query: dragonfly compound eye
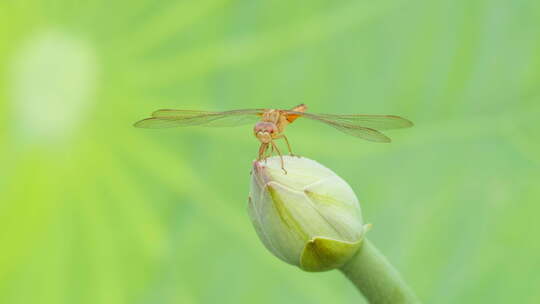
265, 127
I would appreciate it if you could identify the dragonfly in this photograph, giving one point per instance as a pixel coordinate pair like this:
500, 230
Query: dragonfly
270, 124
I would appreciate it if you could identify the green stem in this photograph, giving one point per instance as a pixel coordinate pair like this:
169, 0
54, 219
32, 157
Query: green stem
376, 279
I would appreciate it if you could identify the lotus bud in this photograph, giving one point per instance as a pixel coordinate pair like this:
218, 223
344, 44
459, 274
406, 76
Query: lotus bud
307, 216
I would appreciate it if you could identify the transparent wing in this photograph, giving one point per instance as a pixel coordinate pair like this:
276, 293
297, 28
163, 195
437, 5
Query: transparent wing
360, 125
168, 118
378, 122
180, 113
357, 131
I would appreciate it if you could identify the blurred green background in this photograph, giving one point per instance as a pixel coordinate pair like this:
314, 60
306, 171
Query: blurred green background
93, 210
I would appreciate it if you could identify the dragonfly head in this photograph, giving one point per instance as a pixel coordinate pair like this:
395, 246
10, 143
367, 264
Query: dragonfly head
264, 130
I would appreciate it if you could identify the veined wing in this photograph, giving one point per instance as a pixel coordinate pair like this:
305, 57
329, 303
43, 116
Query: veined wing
168, 118
360, 125
378, 122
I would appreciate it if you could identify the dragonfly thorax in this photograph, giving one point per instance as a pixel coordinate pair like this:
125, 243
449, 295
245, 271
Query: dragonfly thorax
271, 116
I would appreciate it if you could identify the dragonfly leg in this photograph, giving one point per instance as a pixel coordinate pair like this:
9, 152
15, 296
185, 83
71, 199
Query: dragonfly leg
288, 145
280, 156
262, 151
266, 155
